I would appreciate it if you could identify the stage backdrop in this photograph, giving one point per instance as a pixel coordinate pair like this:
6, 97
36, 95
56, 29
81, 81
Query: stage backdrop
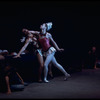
76, 25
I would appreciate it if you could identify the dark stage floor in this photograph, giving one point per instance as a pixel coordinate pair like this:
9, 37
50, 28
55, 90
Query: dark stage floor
81, 85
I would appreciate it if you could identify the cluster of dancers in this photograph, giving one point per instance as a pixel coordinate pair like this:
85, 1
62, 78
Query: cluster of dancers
41, 40
45, 49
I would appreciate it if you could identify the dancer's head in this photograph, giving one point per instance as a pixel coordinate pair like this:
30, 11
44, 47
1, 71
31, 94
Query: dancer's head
25, 31
46, 27
5, 52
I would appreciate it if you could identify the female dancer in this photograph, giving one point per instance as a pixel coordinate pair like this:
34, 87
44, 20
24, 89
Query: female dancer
32, 39
49, 51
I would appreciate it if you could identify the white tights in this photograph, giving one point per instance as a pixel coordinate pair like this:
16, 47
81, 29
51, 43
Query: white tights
51, 58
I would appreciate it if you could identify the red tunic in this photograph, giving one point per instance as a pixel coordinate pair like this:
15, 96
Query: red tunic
45, 43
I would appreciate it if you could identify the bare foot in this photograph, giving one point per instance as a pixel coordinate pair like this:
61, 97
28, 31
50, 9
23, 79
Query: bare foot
40, 81
9, 92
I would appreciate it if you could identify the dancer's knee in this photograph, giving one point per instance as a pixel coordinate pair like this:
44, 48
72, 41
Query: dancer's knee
45, 67
41, 66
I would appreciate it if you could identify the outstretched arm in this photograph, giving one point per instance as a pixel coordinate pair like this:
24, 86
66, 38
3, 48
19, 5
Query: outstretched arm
55, 44
20, 77
34, 32
23, 48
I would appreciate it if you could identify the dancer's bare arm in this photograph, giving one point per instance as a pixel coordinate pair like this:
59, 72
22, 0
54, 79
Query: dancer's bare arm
23, 48
34, 32
55, 44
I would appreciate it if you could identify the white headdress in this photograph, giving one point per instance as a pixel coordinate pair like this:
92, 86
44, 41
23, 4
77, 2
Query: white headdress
49, 25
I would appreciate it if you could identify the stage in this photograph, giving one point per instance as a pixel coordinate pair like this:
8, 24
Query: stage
81, 85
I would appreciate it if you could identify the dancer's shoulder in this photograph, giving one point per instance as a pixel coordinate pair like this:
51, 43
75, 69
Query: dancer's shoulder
48, 34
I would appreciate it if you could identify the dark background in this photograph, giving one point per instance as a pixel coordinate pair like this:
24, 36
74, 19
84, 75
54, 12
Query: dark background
76, 25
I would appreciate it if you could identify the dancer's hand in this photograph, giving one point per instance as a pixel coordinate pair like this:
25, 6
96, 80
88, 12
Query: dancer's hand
8, 92
61, 50
16, 56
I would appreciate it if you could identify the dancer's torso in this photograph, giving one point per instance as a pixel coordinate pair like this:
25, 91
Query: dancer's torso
45, 42
34, 43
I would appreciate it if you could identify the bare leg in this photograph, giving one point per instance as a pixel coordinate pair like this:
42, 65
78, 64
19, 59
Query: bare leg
8, 85
22, 81
40, 60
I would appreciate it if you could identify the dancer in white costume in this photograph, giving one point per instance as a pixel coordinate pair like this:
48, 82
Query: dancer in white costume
49, 51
